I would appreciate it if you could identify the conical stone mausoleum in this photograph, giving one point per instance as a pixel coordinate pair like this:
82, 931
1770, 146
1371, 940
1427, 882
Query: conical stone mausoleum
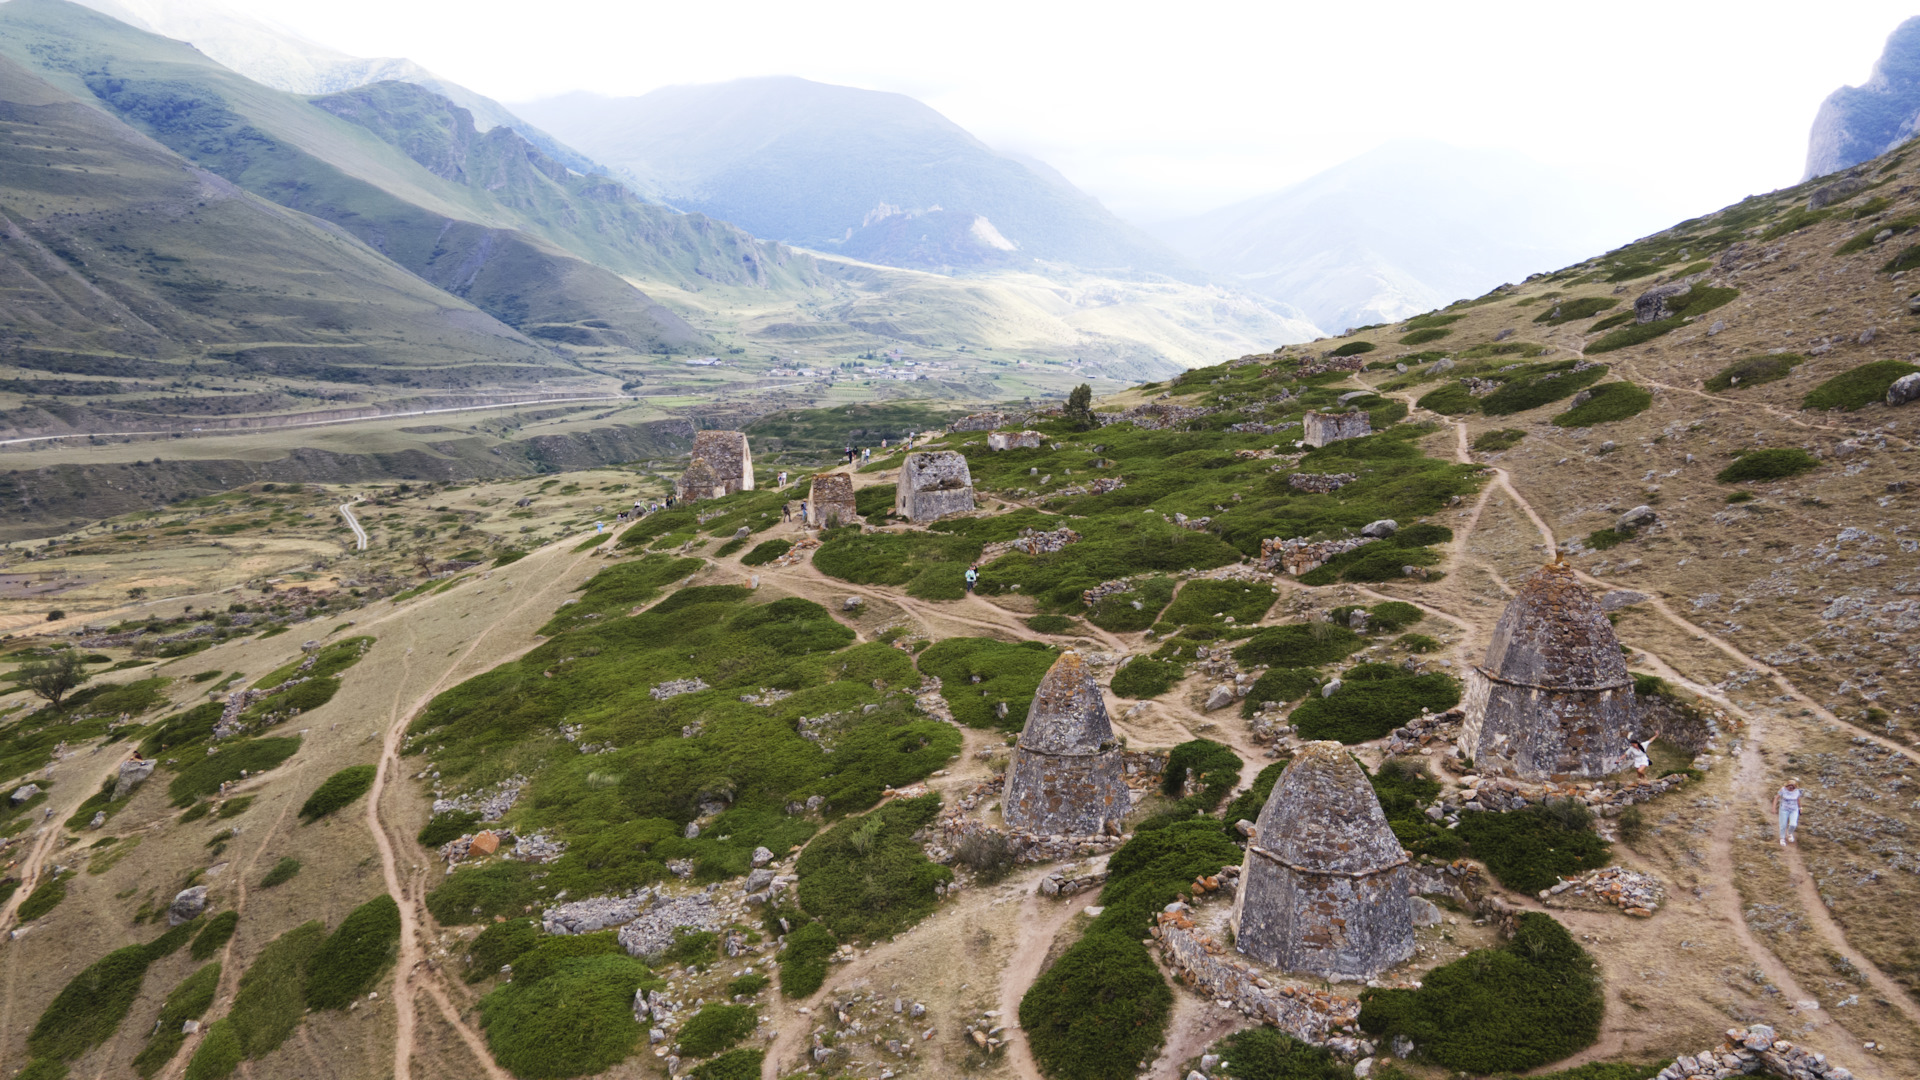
1067, 777
1324, 887
1554, 700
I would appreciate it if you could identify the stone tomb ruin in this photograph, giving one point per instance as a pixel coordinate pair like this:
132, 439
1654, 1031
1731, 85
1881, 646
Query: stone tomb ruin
1013, 440
830, 501
1323, 428
1324, 889
1068, 777
933, 484
1554, 700
721, 466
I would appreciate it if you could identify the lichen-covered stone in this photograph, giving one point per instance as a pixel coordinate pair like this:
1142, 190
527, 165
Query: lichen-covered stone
1068, 776
1554, 700
1013, 440
1325, 879
721, 466
933, 484
1323, 428
830, 501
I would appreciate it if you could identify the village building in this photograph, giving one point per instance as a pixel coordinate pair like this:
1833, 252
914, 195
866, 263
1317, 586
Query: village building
1067, 777
933, 484
1324, 886
1554, 700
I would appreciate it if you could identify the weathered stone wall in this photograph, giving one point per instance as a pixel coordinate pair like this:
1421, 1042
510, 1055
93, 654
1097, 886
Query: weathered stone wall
1336, 926
933, 484
726, 453
1299, 555
1065, 794
981, 421
1014, 440
1323, 428
1315, 1017
830, 500
1539, 733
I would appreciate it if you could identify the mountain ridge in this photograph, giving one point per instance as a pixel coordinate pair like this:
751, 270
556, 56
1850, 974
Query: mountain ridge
1858, 123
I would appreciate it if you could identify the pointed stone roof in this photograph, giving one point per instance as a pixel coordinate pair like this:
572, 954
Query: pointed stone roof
1323, 816
1554, 634
1068, 715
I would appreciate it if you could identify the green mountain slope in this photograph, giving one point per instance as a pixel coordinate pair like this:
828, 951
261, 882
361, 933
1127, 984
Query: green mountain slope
116, 257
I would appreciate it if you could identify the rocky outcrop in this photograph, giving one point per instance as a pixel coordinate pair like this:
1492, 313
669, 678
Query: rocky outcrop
188, 905
1904, 389
1320, 483
1300, 555
1858, 123
133, 773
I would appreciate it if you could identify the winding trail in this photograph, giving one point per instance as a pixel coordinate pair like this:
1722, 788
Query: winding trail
359, 534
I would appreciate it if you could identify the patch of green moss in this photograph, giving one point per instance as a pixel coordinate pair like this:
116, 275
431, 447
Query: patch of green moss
1606, 403
1775, 464
867, 877
337, 791
1755, 371
1860, 387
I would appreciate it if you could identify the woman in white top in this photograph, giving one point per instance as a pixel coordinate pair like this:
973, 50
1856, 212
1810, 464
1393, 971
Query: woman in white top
1786, 803
1637, 756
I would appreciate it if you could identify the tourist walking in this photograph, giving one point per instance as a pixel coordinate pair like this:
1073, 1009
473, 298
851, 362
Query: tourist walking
973, 576
1786, 803
1637, 756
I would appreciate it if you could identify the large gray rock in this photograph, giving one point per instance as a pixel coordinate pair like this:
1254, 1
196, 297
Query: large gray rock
188, 905
1637, 518
1858, 123
133, 773
22, 793
1652, 304
1904, 389
1381, 529
1219, 698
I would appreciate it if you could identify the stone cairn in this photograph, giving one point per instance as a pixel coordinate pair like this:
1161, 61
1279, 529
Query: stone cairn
1068, 775
1013, 440
933, 484
830, 501
1323, 428
1554, 700
1752, 1051
721, 466
1325, 888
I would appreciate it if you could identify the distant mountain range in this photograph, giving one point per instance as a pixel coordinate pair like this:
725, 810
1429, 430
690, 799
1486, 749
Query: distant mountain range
1404, 229
873, 176
1859, 123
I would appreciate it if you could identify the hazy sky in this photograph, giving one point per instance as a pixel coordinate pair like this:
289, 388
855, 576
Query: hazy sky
1167, 109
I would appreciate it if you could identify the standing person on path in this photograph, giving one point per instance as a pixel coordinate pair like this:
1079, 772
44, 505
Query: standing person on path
1786, 803
1637, 756
973, 576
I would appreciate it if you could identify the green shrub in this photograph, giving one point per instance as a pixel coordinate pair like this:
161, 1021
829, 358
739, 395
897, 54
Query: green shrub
715, 1028
1008, 672
1213, 766
1421, 337
1418, 643
1630, 271
1247, 805
1603, 1070
1533, 1000
1432, 319
281, 873
748, 985
1908, 258
1353, 348
1393, 615
189, 1001
1050, 624
1261, 1053
741, 1064
1607, 402
1602, 539
694, 948
1533, 848
1693, 303
1134, 610
1144, 677
868, 877
43, 1069
1755, 370
988, 854
233, 808
931, 565
1299, 644
218, 1054
1612, 321
1858, 388
765, 552
576, 1021
1451, 399
89, 1009
500, 944
337, 791
272, 995
346, 966
551, 954
231, 759
803, 961
720, 552
1530, 390
1493, 442
1405, 790
44, 898
1570, 310
477, 894
508, 559
1373, 699
448, 826
1775, 464
214, 935
1207, 601
1280, 685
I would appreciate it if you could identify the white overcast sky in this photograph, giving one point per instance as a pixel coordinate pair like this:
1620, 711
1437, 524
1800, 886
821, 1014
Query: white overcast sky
1167, 109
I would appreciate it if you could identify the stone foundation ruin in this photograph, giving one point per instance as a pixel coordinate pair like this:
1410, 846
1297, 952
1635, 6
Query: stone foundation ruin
830, 501
1068, 776
1323, 428
934, 484
1554, 700
1325, 880
1014, 440
721, 466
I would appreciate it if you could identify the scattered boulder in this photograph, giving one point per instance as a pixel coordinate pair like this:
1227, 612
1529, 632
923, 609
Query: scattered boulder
852, 603
1381, 529
22, 793
761, 857
1839, 191
1219, 698
133, 773
188, 905
1323, 428
1652, 304
1637, 518
1904, 389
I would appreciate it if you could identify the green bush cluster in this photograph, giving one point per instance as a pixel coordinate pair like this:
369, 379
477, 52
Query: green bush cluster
1755, 370
1492, 442
1282, 685
1299, 645
1432, 319
875, 501
188, 1001
1863, 239
1102, 1007
499, 944
1421, 337
1405, 790
1211, 765
1145, 677
1602, 539
230, 760
1383, 560
1533, 848
337, 791
1539, 386
347, 964
1134, 610
1908, 258
744, 1064
1008, 672
281, 873
1859, 387
447, 826
1050, 624
1246, 806
88, 1010
803, 960
1353, 348
272, 996
1211, 602
44, 898
1373, 699
1611, 321
574, 1019
1774, 464
931, 565
1606, 403
765, 552
1568, 311
1692, 304
715, 1028
1262, 1053
868, 877
214, 935
1451, 399
218, 1054
1534, 1000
